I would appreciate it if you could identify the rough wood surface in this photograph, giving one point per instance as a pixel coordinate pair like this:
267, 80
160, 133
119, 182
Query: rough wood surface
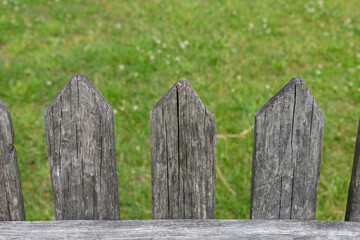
183, 155
353, 201
11, 198
181, 229
288, 141
80, 139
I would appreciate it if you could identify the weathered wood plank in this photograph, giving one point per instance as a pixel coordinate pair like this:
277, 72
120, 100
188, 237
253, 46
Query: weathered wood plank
353, 201
181, 229
11, 197
183, 155
80, 139
288, 140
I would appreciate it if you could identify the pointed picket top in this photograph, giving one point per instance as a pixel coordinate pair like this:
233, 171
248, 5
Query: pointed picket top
288, 140
183, 155
353, 206
11, 197
80, 139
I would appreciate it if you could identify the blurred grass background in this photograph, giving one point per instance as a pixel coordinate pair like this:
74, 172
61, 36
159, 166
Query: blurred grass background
236, 54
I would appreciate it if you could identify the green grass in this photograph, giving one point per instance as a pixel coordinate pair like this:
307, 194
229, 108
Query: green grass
239, 54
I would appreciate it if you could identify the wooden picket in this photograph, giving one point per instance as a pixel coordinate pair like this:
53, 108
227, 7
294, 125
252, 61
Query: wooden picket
183, 153
288, 140
11, 198
353, 201
80, 139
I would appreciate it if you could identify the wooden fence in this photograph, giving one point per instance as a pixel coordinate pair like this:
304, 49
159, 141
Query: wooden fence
79, 126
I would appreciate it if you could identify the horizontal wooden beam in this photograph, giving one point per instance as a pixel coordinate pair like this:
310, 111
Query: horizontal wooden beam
180, 229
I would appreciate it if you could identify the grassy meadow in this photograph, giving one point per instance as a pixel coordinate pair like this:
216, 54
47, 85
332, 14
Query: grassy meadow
236, 54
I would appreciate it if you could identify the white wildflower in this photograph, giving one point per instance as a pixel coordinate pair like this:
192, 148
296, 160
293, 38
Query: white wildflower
267, 86
184, 44
232, 90
137, 148
121, 67
311, 10
346, 89
48, 83
339, 65
177, 58
251, 25
320, 65
238, 77
164, 45
347, 22
351, 84
122, 108
115, 111
326, 34
136, 74
318, 72
234, 12
151, 57
321, 4
351, 70
335, 87
135, 107
167, 62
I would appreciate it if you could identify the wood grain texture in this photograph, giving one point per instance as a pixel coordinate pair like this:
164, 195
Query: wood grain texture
80, 140
353, 201
288, 141
182, 229
11, 197
183, 155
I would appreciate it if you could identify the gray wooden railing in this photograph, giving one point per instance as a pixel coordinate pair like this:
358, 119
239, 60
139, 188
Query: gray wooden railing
79, 126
